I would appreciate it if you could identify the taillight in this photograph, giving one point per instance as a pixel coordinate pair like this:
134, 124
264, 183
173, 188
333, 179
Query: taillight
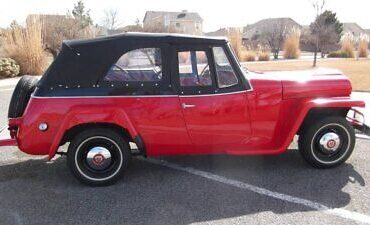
13, 131
13, 126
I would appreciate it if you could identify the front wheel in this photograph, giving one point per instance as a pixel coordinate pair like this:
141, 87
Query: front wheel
98, 157
328, 142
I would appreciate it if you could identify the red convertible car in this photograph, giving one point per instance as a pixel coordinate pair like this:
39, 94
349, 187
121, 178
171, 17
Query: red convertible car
175, 95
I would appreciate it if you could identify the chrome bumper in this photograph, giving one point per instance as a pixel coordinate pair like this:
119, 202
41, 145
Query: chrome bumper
357, 119
5, 138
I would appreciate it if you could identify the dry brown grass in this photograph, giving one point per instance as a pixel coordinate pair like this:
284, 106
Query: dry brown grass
356, 70
264, 56
247, 56
363, 48
24, 45
348, 45
291, 45
235, 38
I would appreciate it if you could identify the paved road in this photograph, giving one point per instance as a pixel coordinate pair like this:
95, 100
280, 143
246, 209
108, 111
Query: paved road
187, 190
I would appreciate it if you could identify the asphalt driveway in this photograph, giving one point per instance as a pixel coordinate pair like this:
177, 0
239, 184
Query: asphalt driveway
186, 190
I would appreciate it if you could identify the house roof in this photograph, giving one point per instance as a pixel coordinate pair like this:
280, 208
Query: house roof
222, 32
353, 28
268, 24
183, 15
217, 33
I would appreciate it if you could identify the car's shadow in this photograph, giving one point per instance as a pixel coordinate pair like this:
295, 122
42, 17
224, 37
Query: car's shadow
36, 192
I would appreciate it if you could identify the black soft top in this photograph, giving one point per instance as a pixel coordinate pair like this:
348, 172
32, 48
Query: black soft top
83, 62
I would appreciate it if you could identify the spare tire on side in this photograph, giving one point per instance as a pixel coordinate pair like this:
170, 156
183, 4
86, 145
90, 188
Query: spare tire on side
21, 95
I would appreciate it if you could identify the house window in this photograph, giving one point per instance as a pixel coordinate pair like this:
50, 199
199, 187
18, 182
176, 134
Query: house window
177, 24
139, 65
194, 69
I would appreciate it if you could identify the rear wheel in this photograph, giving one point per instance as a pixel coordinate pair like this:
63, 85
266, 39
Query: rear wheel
327, 143
98, 157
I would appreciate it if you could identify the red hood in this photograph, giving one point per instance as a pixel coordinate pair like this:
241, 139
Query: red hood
308, 83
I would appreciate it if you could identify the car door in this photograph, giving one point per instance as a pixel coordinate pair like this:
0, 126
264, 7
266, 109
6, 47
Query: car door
138, 83
213, 99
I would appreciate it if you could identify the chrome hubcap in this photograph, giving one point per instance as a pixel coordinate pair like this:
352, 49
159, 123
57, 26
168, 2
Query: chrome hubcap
99, 158
330, 142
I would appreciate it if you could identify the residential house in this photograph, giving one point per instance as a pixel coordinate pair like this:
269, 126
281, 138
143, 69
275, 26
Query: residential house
353, 28
367, 31
173, 22
254, 31
223, 32
129, 28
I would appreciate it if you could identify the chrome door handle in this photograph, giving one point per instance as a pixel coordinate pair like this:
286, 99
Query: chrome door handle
185, 106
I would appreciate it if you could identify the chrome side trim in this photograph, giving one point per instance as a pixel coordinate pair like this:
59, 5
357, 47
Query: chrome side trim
123, 96
210, 95
145, 96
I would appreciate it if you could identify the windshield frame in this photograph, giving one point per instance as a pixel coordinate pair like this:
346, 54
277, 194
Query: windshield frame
243, 71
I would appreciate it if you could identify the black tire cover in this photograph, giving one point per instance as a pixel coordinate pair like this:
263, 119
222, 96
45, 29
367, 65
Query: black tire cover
21, 95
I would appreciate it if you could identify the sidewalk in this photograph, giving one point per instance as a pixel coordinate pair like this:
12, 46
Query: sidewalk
9, 81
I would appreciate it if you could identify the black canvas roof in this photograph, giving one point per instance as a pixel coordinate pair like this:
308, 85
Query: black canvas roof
83, 62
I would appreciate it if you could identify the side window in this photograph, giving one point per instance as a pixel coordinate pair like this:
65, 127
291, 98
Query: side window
194, 69
225, 74
139, 65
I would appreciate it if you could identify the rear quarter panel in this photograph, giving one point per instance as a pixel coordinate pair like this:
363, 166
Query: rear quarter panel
158, 120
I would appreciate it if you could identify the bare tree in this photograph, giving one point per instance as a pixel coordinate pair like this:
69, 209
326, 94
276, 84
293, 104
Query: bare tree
325, 31
274, 36
317, 27
111, 19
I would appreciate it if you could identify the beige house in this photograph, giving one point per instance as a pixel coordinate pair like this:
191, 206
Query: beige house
173, 22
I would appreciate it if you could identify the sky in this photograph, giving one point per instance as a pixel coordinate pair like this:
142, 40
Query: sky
216, 14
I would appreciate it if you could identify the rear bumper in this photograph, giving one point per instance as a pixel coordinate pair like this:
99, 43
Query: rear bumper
8, 134
6, 139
